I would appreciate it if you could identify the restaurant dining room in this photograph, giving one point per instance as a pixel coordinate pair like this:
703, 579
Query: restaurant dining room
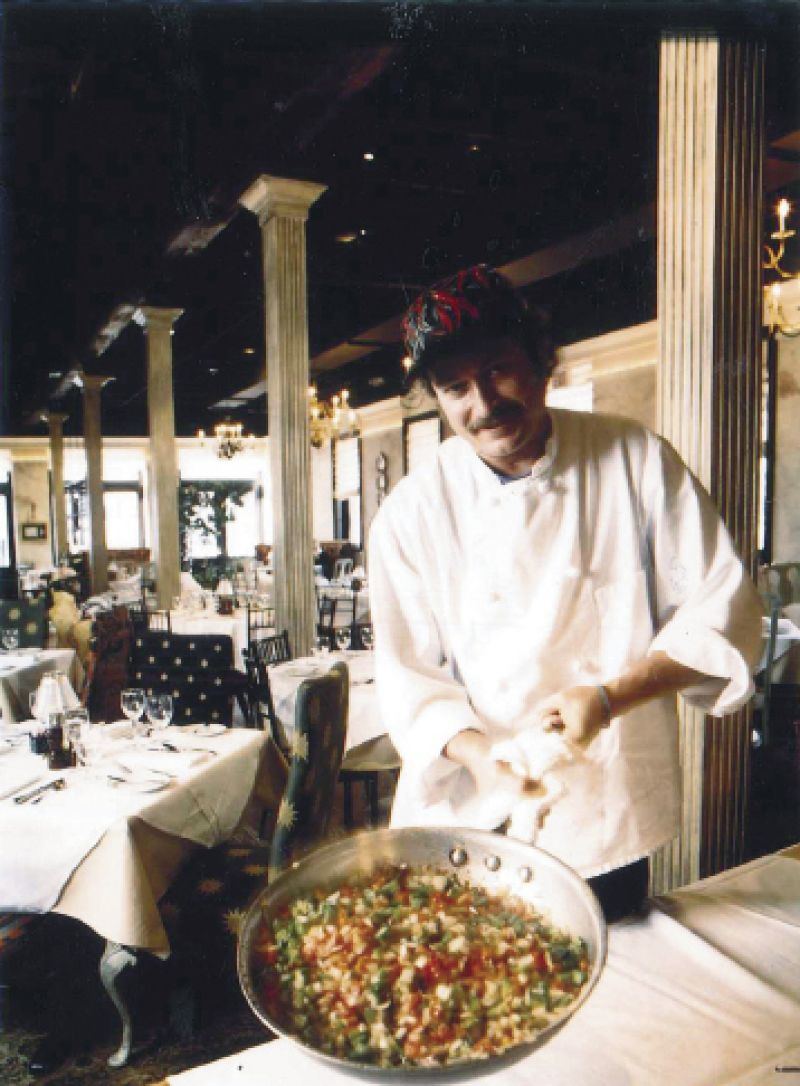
400, 542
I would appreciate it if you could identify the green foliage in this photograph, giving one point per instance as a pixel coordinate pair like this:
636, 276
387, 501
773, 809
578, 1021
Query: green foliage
206, 506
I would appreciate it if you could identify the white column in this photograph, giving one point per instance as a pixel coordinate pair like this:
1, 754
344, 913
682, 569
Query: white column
281, 206
92, 386
55, 424
709, 318
157, 324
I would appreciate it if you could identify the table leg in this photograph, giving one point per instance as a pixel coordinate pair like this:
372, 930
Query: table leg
114, 961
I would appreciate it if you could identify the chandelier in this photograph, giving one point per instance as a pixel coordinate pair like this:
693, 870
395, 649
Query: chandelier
329, 419
228, 437
775, 314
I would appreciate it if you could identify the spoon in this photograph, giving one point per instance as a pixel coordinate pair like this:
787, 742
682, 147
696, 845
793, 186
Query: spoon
36, 793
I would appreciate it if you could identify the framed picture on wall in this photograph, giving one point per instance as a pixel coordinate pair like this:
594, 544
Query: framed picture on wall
34, 531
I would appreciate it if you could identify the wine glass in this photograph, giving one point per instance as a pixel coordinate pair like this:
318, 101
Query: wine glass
342, 637
132, 704
159, 709
367, 639
9, 637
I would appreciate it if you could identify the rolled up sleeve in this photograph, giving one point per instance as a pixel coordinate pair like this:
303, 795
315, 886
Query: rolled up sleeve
708, 610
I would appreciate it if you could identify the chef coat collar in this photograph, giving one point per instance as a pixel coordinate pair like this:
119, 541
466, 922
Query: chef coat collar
540, 470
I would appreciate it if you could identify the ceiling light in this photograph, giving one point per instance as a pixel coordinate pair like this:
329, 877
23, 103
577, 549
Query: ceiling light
776, 317
363, 232
346, 239
213, 369
369, 156
329, 419
55, 373
229, 439
249, 350
474, 147
408, 362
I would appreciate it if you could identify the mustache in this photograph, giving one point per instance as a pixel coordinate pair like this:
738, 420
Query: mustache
500, 413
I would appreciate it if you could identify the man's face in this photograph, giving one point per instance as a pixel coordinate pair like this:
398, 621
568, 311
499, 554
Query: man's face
494, 399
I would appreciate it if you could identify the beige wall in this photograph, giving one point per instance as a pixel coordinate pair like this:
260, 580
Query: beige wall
786, 512
31, 489
631, 393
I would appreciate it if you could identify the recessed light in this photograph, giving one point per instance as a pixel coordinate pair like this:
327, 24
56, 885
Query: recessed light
55, 373
369, 156
377, 381
474, 147
249, 350
213, 369
346, 239
363, 232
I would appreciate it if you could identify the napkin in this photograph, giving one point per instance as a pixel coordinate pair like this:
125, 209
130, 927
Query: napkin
159, 763
534, 755
19, 773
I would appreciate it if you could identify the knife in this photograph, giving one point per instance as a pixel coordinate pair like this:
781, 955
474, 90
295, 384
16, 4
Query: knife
58, 784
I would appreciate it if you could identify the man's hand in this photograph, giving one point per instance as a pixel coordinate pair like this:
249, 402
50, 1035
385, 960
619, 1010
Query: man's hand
471, 750
577, 713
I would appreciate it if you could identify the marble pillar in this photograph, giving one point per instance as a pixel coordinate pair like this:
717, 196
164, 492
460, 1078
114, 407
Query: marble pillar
92, 387
55, 424
157, 323
281, 206
711, 131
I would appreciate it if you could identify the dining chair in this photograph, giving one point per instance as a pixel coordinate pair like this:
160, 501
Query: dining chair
206, 904
23, 623
260, 623
263, 654
364, 765
326, 614
342, 567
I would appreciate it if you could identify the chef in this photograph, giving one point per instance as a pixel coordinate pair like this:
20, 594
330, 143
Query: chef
540, 592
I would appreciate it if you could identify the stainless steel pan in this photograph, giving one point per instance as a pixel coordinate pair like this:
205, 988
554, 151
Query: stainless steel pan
485, 859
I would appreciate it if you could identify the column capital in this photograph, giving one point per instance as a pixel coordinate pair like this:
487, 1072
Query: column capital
54, 418
270, 197
91, 382
158, 317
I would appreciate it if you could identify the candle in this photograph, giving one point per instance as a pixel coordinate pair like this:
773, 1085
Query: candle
783, 211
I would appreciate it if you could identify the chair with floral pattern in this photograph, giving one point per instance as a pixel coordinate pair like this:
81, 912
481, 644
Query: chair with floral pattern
204, 907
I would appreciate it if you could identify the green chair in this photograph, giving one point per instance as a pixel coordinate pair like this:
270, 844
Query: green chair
206, 904
23, 622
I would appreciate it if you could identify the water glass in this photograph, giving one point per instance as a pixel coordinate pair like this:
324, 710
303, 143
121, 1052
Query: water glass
9, 637
159, 709
367, 639
132, 704
343, 638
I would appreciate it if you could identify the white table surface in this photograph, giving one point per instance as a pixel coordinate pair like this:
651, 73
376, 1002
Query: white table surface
114, 850
702, 991
363, 722
209, 622
18, 683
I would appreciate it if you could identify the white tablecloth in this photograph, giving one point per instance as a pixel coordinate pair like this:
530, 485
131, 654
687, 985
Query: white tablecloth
104, 854
19, 682
703, 991
363, 722
207, 622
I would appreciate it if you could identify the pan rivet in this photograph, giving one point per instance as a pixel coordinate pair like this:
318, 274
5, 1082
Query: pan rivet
493, 863
458, 856
525, 873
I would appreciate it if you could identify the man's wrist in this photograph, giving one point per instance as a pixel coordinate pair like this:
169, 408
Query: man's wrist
605, 703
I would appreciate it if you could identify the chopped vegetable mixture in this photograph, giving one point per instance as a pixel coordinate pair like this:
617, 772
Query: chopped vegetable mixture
415, 967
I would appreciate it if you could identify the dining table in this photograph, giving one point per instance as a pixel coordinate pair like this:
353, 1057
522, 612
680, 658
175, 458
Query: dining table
363, 718
21, 672
700, 989
185, 620
101, 843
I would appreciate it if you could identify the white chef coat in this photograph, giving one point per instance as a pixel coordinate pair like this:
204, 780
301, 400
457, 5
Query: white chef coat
487, 597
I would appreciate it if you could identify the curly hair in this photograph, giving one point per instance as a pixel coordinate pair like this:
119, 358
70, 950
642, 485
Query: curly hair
457, 314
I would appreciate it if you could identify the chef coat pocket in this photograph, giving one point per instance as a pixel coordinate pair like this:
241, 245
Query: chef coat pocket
626, 628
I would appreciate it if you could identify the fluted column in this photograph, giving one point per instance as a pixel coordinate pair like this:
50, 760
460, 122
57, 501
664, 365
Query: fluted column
92, 386
55, 424
157, 323
281, 206
709, 306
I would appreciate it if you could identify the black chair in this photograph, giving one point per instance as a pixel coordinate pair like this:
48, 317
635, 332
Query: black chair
326, 614
363, 765
26, 621
263, 654
260, 623
196, 669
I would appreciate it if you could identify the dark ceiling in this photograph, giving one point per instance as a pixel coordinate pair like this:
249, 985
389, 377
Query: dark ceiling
497, 131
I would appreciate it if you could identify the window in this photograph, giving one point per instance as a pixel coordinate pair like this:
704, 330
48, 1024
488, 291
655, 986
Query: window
6, 529
347, 490
122, 504
421, 438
